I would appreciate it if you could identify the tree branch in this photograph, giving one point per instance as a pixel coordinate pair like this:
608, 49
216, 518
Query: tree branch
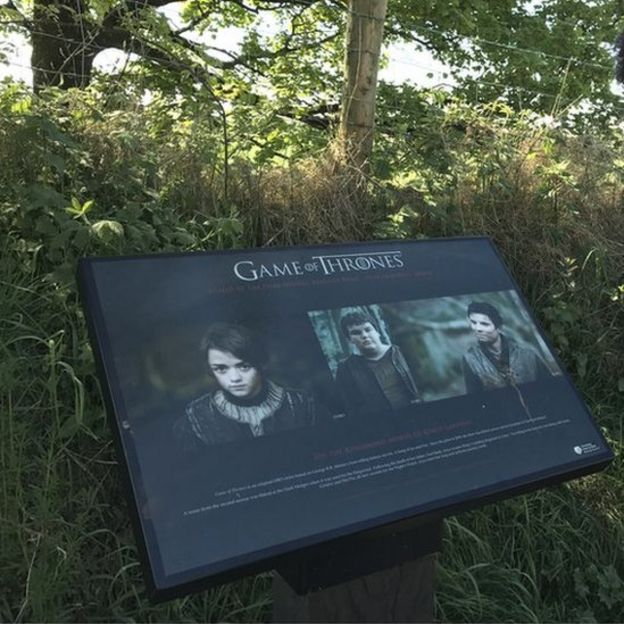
113, 33
619, 56
242, 5
245, 59
128, 42
137, 5
311, 117
410, 36
285, 3
194, 22
274, 5
131, 7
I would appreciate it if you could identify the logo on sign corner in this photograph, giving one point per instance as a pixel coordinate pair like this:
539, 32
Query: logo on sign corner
584, 449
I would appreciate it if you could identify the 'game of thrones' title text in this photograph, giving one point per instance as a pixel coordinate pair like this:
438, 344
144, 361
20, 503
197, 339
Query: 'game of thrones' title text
250, 271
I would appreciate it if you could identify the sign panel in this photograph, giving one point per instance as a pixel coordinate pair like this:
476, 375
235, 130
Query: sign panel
268, 400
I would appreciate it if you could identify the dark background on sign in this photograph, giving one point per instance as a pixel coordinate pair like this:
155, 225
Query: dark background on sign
240, 529
156, 310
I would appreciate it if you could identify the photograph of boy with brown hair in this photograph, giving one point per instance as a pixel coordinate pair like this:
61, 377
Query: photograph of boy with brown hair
385, 357
377, 377
496, 360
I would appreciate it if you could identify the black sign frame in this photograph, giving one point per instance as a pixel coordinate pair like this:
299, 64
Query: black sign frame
163, 586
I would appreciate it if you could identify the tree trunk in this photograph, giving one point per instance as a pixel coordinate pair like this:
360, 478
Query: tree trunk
363, 46
62, 44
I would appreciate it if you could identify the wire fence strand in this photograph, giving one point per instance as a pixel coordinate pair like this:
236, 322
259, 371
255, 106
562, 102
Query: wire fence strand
511, 90
476, 80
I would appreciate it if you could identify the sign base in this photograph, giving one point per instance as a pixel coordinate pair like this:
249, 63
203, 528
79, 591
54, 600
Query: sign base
403, 593
384, 575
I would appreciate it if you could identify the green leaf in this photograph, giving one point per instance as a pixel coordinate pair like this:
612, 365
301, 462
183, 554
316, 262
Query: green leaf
107, 229
46, 226
82, 237
44, 196
56, 162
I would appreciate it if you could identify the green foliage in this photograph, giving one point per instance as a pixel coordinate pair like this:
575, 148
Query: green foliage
552, 201
104, 171
544, 56
549, 56
604, 583
83, 182
78, 181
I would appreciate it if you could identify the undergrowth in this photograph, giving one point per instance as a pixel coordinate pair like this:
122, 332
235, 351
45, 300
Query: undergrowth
77, 179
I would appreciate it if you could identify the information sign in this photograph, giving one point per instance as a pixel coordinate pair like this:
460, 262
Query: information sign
268, 400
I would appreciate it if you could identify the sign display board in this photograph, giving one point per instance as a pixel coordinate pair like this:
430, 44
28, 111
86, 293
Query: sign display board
268, 400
